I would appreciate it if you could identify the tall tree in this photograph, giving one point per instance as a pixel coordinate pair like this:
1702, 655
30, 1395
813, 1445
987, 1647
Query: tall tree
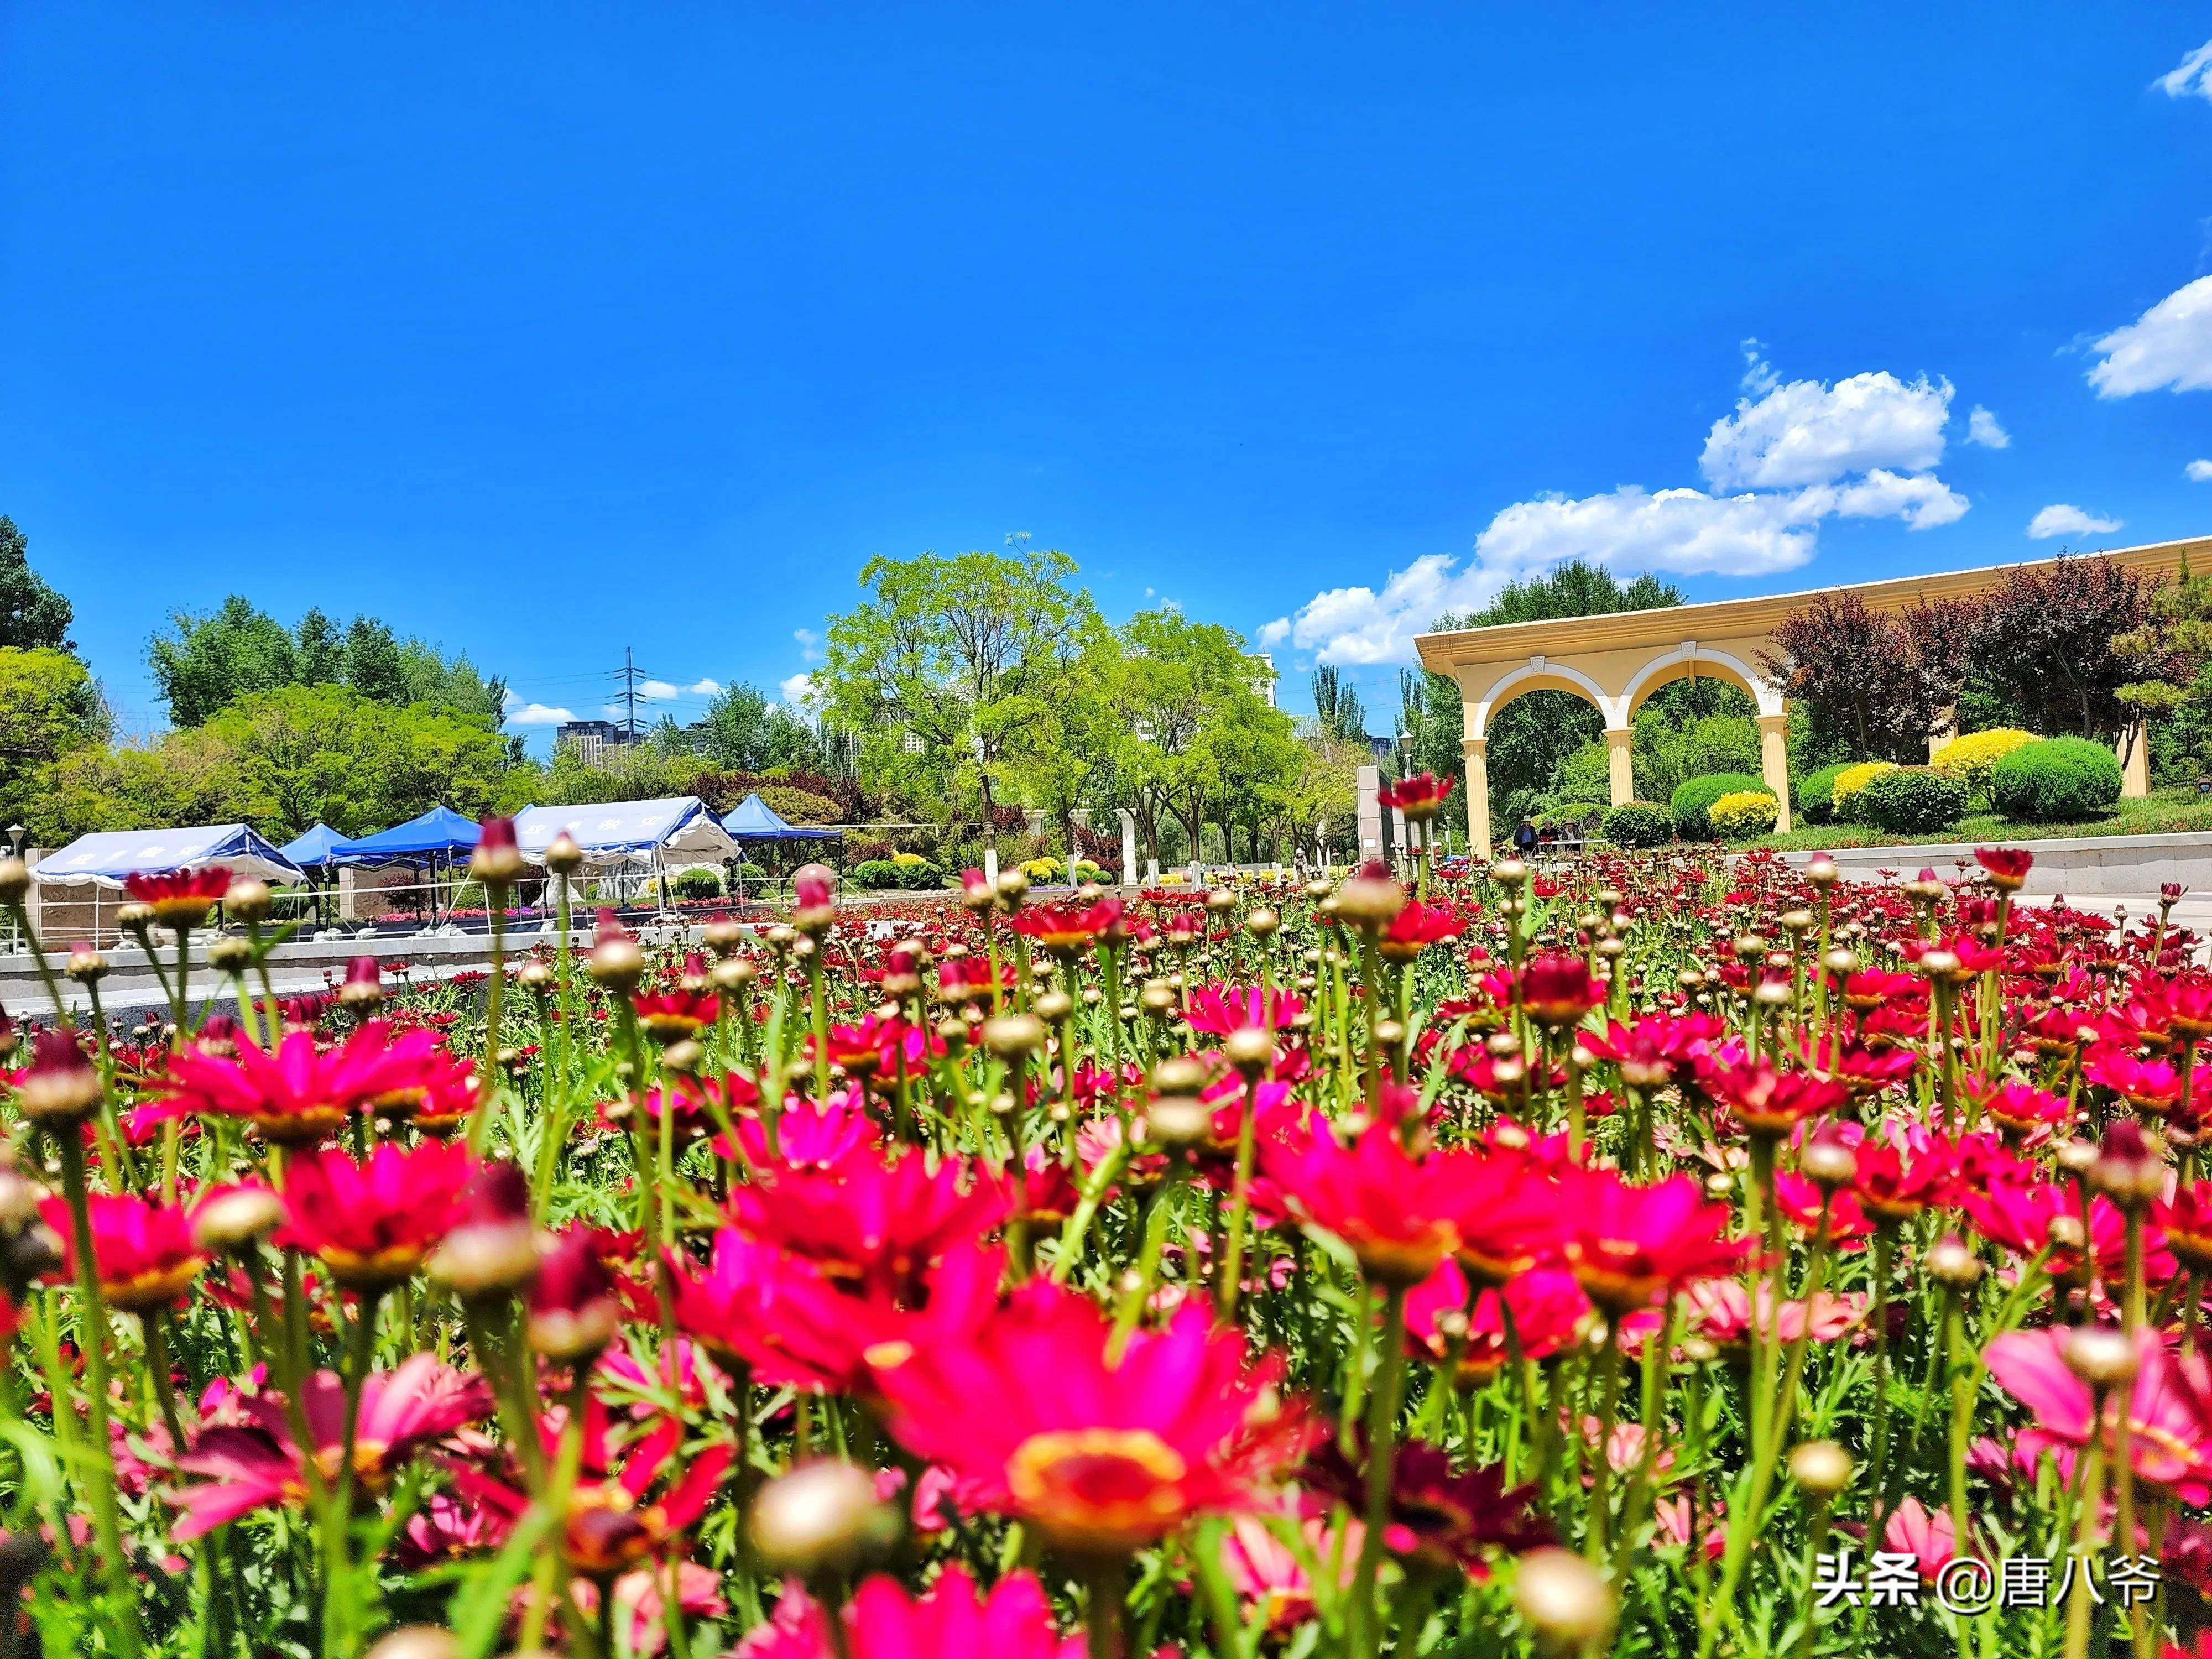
1337, 708
1881, 682
208, 661
957, 654
2050, 639
33, 615
49, 707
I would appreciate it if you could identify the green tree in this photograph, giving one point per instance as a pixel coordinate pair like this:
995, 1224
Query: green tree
373, 666
1337, 707
49, 707
318, 650
205, 662
744, 731
958, 655
33, 615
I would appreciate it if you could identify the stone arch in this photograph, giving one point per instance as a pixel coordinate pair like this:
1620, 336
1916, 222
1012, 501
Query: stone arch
1683, 661
1538, 675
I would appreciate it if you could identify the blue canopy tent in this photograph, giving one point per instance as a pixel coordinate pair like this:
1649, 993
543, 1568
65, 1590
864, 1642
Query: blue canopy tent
754, 819
108, 858
436, 838
622, 840
317, 853
318, 848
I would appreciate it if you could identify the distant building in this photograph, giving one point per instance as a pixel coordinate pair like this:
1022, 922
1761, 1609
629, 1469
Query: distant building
595, 740
1263, 685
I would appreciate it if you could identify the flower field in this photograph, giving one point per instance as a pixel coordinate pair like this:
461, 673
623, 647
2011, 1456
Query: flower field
1667, 1257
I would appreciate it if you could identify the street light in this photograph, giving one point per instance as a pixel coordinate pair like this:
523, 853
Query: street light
17, 835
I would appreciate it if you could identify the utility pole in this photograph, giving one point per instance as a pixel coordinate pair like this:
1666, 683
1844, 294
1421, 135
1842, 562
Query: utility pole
628, 673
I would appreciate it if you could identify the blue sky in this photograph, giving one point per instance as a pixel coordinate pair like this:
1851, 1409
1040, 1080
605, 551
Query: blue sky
543, 333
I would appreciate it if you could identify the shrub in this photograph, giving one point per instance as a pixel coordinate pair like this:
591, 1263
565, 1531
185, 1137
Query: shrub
798, 806
1043, 868
1743, 814
1088, 870
697, 883
1912, 800
751, 875
1639, 824
1816, 793
909, 859
2055, 778
1693, 799
1969, 758
882, 875
1850, 780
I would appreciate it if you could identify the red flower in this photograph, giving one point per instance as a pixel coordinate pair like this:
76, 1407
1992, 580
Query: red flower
1418, 797
1218, 1009
1896, 1182
1416, 927
1658, 1049
1103, 1454
1439, 1519
1398, 1214
372, 1224
1558, 990
180, 898
1549, 1310
259, 1465
2008, 866
143, 1251
1771, 1102
882, 1620
2169, 1416
2023, 1108
880, 1223
1065, 929
1629, 1246
299, 1095
671, 1016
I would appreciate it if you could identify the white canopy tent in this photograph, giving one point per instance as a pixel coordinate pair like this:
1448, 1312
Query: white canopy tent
631, 837
111, 856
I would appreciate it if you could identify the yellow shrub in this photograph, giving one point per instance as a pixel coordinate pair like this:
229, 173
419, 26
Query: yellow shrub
907, 860
1971, 757
1853, 779
1743, 814
1041, 869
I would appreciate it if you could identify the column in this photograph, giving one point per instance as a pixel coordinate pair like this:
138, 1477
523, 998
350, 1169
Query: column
2133, 748
1128, 845
1368, 784
1945, 728
1774, 764
1477, 753
1620, 763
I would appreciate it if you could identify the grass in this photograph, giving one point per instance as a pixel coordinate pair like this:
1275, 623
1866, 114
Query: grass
2164, 811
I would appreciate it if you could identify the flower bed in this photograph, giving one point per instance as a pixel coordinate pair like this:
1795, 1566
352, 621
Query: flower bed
1649, 1260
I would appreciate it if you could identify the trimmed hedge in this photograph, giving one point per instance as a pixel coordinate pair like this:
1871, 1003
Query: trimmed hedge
1745, 813
2055, 778
1692, 800
1971, 757
1816, 793
1912, 800
1850, 780
1639, 824
698, 882
882, 875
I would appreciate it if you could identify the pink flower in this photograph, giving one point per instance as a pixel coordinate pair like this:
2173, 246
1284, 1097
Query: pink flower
885, 1620
2169, 1415
1929, 1537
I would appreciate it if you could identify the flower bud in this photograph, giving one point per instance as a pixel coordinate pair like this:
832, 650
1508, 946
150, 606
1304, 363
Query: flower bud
1263, 923
1508, 874
232, 1223
1821, 871
1180, 1076
230, 955
1370, 900
1055, 1006
1157, 997
2102, 1356
617, 963
1939, 966
1953, 1266
363, 989
1821, 1466
1565, 1600
733, 973
1013, 1037
721, 935
134, 919
2077, 1158
1175, 1121
482, 1260
1828, 1162
823, 1517
250, 899
1841, 962
418, 1642
59, 1088
86, 966
15, 881
534, 976
562, 856
497, 860
1250, 1049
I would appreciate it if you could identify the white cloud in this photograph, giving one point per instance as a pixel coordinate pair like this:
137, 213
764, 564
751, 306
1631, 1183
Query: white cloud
809, 644
2060, 519
2199, 471
707, 688
1982, 428
798, 690
2169, 345
1806, 433
657, 690
1860, 449
519, 713
2191, 77
1758, 375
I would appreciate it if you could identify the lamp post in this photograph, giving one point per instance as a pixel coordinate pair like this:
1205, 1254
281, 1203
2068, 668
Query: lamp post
17, 835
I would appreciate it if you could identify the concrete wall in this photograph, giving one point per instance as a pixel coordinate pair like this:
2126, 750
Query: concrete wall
2085, 866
